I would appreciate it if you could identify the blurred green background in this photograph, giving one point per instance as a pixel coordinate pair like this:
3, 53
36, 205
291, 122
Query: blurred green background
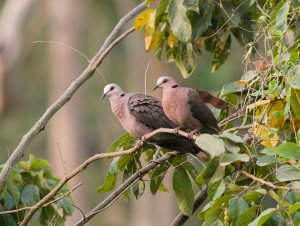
33, 75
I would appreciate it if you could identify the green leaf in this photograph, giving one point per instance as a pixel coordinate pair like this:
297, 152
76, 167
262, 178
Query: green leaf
9, 201
249, 75
212, 216
287, 173
158, 176
295, 103
246, 217
233, 137
183, 190
210, 170
160, 10
263, 217
7, 220
230, 158
231, 88
296, 219
138, 189
266, 160
236, 207
30, 195
179, 22
124, 142
109, 182
231, 146
294, 208
281, 17
286, 150
215, 189
293, 77
185, 59
67, 204
201, 21
253, 195
213, 145
221, 51
124, 161
113, 168
127, 173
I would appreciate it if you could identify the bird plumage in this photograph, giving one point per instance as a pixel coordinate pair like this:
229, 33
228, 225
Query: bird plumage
140, 114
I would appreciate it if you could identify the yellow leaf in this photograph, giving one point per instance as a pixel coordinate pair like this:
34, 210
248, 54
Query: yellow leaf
142, 19
151, 38
201, 43
273, 121
242, 82
265, 135
258, 104
171, 40
151, 21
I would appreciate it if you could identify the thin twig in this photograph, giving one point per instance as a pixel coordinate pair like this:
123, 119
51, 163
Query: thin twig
240, 128
268, 183
182, 218
123, 187
67, 95
146, 73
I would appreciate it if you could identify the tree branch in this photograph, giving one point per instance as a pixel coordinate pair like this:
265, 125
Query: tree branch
109, 200
268, 183
88, 162
67, 95
199, 199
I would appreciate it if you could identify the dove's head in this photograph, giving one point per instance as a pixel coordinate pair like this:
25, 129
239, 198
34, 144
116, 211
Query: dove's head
112, 90
165, 82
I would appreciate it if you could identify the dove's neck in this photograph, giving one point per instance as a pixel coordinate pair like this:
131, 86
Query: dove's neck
117, 103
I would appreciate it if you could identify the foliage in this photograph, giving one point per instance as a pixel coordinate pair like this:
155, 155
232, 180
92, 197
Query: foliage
182, 29
261, 131
28, 182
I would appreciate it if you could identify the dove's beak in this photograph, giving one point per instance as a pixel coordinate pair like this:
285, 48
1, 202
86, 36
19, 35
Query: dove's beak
103, 95
157, 86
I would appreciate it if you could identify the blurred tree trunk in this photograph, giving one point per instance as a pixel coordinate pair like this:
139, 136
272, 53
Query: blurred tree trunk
149, 210
13, 17
66, 148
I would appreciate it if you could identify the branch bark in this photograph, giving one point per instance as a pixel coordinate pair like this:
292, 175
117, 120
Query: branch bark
67, 95
123, 187
199, 199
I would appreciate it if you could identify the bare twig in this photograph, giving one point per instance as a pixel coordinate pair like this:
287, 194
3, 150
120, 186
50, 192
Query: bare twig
240, 127
268, 183
88, 162
124, 186
67, 95
199, 199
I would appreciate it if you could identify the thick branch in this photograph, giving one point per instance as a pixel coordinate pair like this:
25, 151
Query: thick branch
123, 187
66, 96
88, 162
199, 199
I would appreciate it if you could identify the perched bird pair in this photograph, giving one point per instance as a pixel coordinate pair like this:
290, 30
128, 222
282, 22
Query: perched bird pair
181, 107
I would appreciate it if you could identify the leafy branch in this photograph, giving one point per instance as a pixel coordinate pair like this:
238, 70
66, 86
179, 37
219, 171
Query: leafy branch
39, 126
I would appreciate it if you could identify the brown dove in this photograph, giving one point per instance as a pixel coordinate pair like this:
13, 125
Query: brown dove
141, 114
186, 107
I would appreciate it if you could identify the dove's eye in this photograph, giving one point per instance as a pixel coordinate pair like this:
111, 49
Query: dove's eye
111, 88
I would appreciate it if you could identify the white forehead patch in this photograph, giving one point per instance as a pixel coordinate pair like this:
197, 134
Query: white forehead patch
160, 79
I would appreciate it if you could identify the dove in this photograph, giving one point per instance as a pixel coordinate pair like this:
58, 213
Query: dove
186, 107
141, 114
